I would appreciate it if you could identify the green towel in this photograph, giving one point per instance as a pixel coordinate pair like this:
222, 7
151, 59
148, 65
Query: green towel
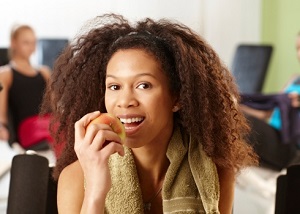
191, 183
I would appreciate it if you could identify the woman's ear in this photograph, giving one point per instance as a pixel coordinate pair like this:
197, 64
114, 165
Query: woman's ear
175, 108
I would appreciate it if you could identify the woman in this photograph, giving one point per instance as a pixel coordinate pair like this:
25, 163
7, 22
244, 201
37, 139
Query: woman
184, 131
23, 88
275, 122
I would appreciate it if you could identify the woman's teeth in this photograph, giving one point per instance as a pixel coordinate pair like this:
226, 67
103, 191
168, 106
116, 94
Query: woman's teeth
131, 120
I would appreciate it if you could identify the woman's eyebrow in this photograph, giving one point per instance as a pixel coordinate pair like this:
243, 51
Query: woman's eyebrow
137, 75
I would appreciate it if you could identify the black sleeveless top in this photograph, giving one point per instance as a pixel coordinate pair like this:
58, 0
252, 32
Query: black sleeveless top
25, 96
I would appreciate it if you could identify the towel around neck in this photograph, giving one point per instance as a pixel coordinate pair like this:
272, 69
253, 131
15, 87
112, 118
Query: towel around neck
191, 183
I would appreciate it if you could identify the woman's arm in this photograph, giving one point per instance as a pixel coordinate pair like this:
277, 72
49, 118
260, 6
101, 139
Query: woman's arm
227, 181
5, 79
83, 185
260, 114
295, 99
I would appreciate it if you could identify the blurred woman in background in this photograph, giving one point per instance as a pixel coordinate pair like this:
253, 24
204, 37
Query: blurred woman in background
23, 88
270, 127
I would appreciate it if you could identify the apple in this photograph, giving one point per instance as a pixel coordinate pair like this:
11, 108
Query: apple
113, 122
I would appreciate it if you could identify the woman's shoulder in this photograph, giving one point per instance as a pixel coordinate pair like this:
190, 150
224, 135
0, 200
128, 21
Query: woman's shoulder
71, 178
45, 71
5, 69
70, 189
294, 78
74, 169
5, 75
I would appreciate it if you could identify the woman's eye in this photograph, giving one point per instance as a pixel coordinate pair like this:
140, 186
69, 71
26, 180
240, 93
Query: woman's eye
114, 87
144, 86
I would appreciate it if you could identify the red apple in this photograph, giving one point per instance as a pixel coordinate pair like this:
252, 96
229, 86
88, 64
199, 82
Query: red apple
113, 122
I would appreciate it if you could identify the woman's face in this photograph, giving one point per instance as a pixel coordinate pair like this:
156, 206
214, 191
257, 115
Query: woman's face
24, 44
298, 47
138, 92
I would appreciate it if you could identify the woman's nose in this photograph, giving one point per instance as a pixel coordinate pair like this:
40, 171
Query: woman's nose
127, 99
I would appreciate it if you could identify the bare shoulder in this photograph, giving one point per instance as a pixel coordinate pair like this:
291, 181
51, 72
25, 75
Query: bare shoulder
45, 71
293, 78
5, 75
70, 170
5, 69
70, 190
71, 173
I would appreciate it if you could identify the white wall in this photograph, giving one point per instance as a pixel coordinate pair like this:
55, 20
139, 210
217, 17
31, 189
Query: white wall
222, 23
62, 18
230, 22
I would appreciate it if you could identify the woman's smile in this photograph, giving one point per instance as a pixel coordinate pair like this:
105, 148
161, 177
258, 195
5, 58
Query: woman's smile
131, 123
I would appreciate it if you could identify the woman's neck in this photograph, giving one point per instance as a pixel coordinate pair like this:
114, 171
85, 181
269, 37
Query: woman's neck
151, 168
151, 159
151, 165
20, 62
23, 66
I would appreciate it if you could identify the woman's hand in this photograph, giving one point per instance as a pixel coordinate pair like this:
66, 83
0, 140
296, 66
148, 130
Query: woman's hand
295, 99
4, 133
93, 154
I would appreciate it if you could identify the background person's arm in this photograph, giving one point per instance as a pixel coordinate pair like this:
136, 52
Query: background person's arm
260, 114
5, 79
289, 82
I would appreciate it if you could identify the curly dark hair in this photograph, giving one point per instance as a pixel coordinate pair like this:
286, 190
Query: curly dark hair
208, 96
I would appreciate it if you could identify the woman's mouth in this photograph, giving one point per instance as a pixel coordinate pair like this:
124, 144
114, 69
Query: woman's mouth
131, 123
